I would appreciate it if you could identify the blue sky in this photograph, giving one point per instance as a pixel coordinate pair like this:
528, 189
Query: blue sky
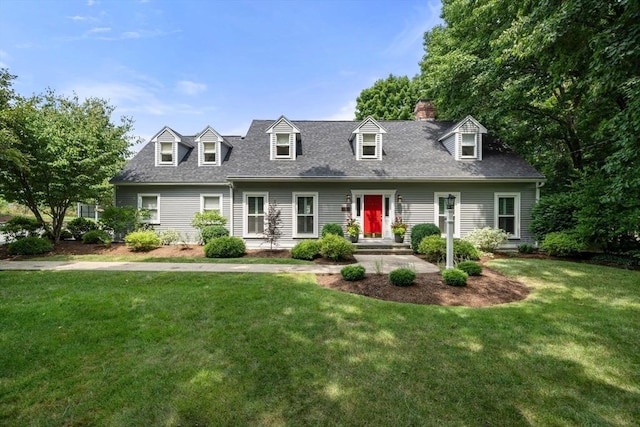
189, 64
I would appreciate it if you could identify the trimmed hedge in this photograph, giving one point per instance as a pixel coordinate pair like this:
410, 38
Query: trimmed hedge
20, 227
402, 277
336, 248
352, 273
225, 247
96, 236
455, 277
470, 267
29, 246
420, 231
561, 244
435, 249
80, 226
332, 228
526, 248
142, 241
213, 232
306, 249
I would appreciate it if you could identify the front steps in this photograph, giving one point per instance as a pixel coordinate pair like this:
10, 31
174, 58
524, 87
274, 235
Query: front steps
378, 246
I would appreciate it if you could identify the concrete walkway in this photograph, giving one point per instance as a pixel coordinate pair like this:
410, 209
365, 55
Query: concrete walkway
372, 263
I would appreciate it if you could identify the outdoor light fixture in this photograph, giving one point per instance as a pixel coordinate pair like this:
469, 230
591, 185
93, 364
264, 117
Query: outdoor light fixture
399, 198
348, 199
451, 201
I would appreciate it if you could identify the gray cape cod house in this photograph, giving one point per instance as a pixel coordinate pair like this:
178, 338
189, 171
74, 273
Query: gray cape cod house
321, 172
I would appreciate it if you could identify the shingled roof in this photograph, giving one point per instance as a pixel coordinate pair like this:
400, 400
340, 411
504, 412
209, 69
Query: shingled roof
411, 151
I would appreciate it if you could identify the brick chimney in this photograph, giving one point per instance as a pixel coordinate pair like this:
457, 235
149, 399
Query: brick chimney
424, 110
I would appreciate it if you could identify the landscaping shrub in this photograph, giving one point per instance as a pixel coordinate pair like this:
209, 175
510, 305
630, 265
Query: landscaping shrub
420, 231
455, 277
402, 277
204, 219
96, 236
29, 246
487, 239
526, 248
561, 244
336, 248
79, 226
225, 247
169, 237
470, 267
213, 232
64, 235
142, 240
435, 249
20, 227
332, 228
123, 220
306, 249
353, 273
555, 212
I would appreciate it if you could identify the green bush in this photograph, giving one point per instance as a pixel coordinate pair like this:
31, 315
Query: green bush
526, 248
96, 236
402, 277
561, 244
169, 237
332, 228
555, 212
204, 219
470, 267
79, 226
213, 232
487, 239
420, 231
353, 273
20, 227
225, 247
123, 220
336, 248
142, 240
435, 249
306, 249
65, 234
455, 277
29, 246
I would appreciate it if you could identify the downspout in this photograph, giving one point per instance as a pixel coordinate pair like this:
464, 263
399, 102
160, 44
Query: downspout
539, 185
231, 208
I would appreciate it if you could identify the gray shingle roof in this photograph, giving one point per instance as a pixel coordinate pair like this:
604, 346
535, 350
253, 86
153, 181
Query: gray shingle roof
411, 151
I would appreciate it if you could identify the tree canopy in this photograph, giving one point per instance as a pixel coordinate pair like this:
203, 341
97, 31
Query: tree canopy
390, 99
71, 150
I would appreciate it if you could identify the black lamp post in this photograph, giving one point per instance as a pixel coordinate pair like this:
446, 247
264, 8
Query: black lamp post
451, 204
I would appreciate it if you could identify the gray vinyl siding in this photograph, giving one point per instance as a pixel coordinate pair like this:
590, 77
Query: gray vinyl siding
450, 144
469, 127
369, 127
182, 152
166, 136
208, 137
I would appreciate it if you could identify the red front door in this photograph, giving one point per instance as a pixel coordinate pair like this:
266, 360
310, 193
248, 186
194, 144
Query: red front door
373, 215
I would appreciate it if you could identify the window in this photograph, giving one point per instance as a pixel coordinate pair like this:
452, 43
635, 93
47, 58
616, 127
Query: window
468, 146
283, 147
211, 202
440, 209
305, 214
208, 152
166, 152
507, 209
151, 204
254, 205
369, 147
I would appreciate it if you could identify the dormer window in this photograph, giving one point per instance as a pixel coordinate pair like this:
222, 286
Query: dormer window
283, 145
367, 140
369, 146
283, 138
212, 147
166, 153
209, 152
469, 146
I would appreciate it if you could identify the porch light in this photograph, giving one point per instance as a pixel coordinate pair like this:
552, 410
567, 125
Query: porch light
399, 198
348, 199
451, 201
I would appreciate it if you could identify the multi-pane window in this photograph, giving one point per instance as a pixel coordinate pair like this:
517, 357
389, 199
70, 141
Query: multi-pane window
211, 203
369, 147
150, 203
469, 146
166, 152
441, 212
255, 214
306, 214
209, 152
507, 213
283, 147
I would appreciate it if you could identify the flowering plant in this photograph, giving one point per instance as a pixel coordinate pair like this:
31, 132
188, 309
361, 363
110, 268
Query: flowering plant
398, 227
353, 228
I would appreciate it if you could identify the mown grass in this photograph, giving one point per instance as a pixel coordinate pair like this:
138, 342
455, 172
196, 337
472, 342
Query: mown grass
138, 348
147, 258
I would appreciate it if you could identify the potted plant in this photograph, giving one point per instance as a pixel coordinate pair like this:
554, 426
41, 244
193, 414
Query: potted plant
398, 228
353, 229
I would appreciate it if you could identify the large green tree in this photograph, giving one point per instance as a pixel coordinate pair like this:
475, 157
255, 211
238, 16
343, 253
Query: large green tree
72, 149
393, 98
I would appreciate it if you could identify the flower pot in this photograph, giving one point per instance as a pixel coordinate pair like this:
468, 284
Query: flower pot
353, 239
399, 238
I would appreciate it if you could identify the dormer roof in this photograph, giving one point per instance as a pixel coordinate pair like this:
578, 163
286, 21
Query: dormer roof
277, 125
176, 136
368, 125
219, 137
458, 127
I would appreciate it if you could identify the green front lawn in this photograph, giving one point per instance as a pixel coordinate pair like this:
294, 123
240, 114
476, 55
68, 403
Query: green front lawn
139, 348
178, 259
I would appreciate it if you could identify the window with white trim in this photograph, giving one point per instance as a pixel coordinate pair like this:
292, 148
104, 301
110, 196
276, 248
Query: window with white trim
211, 202
440, 210
209, 153
507, 213
254, 213
369, 146
469, 146
151, 204
305, 214
283, 146
166, 152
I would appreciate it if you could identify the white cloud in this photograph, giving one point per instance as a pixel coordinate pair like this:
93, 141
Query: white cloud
99, 30
346, 112
187, 87
90, 2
